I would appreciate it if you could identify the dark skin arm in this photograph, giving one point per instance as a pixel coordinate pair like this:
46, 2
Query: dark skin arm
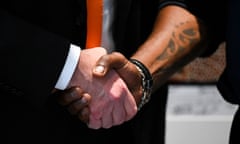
177, 38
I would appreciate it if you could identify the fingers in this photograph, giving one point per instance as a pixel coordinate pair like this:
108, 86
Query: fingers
114, 60
125, 69
118, 115
106, 119
83, 115
68, 96
94, 123
130, 107
77, 102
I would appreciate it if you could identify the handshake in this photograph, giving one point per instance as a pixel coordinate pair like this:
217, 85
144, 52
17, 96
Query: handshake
105, 89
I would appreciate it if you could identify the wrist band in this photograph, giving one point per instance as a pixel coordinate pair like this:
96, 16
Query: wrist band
147, 82
179, 3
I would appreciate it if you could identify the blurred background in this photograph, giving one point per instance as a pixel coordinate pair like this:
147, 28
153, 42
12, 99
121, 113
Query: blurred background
196, 112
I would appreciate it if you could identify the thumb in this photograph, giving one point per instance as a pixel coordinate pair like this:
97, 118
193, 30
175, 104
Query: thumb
107, 62
126, 70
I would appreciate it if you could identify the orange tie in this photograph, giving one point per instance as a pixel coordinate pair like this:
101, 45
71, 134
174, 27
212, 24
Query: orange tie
94, 23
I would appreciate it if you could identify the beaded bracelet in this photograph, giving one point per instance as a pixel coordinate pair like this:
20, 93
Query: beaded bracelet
147, 82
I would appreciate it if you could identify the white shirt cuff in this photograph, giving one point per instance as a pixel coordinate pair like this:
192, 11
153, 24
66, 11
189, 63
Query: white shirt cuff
69, 67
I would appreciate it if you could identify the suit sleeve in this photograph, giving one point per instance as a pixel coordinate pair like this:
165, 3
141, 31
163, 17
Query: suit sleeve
31, 58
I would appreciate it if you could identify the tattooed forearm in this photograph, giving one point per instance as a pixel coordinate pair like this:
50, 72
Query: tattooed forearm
170, 47
180, 42
182, 38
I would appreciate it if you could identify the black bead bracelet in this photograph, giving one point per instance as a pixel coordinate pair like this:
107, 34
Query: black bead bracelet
147, 82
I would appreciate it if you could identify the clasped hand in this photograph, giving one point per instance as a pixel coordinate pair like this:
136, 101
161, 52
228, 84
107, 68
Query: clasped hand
105, 89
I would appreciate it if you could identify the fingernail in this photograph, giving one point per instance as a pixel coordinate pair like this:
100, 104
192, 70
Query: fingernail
99, 69
83, 100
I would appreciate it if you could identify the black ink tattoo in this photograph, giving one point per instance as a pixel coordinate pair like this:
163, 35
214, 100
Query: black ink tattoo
177, 45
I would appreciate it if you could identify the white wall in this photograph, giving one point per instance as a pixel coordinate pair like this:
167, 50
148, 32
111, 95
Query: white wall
197, 115
198, 129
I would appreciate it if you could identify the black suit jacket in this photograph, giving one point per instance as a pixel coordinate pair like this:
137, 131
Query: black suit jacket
35, 38
228, 83
34, 41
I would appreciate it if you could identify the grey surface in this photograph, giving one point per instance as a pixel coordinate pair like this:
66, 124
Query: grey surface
197, 115
197, 100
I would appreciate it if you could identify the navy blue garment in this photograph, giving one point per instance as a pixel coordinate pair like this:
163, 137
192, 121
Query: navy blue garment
228, 84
